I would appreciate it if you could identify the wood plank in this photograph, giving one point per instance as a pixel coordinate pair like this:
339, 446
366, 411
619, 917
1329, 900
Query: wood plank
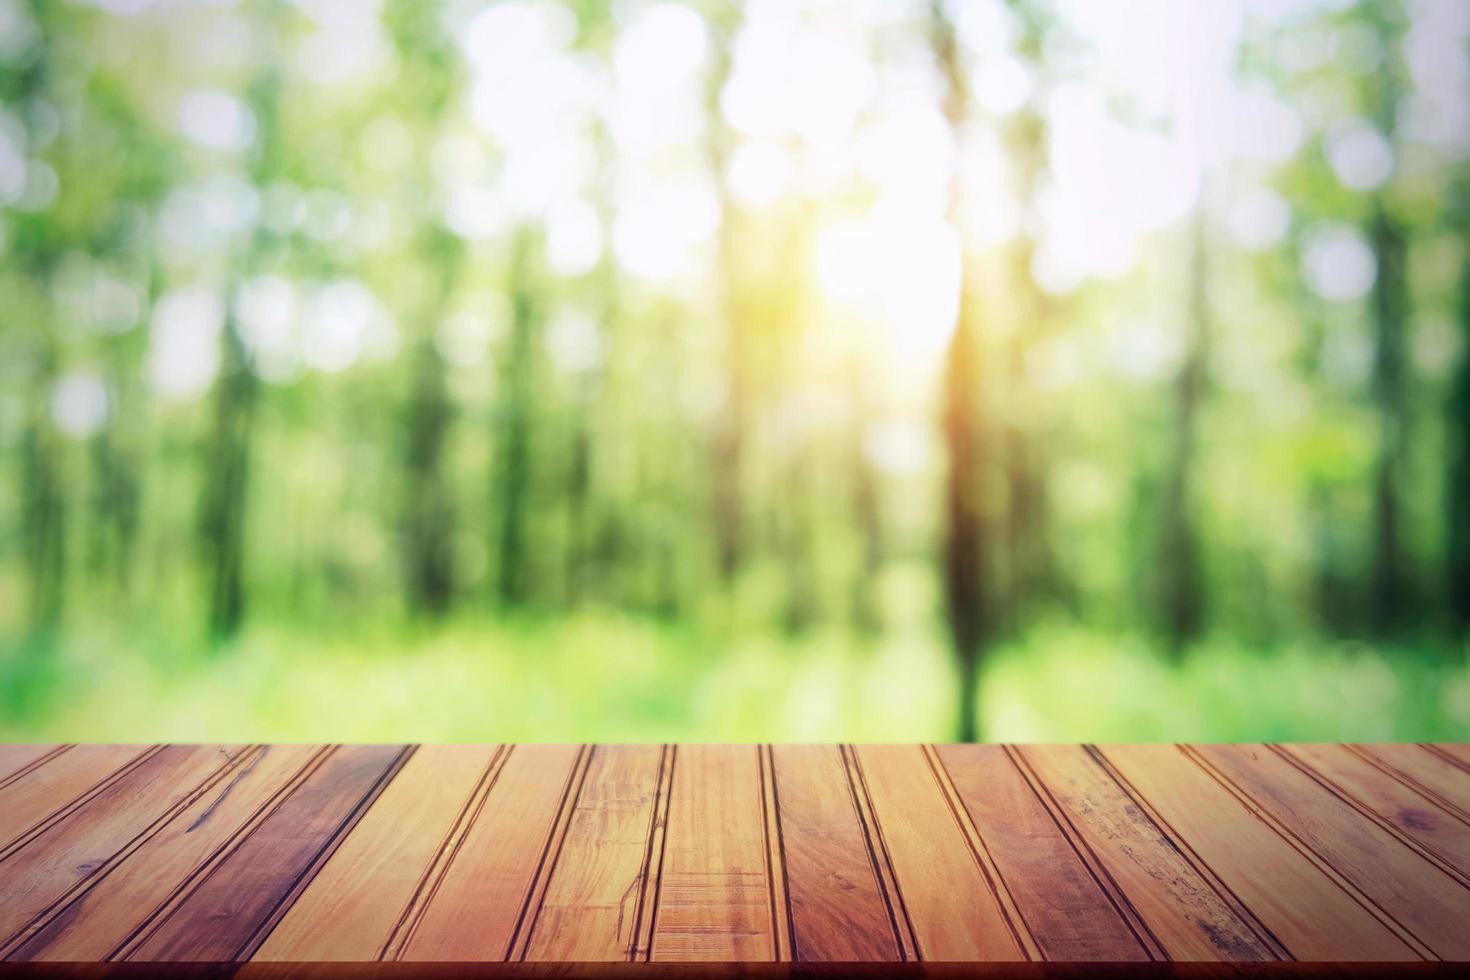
1456, 752
838, 907
1442, 836
1422, 899
1178, 904
350, 909
94, 924
45, 793
903, 929
1314, 913
1061, 901
15, 758
88, 838
590, 910
1427, 771
714, 899
226, 913
775, 857
497, 871
737, 853
933, 862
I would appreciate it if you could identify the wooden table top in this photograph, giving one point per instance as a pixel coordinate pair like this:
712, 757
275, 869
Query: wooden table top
735, 854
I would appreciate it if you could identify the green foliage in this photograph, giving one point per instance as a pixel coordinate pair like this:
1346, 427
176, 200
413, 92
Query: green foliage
563, 370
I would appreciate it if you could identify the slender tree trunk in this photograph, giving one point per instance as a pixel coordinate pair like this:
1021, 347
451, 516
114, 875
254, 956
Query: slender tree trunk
579, 494
1026, 543
428, 500
518, 384
1457, 496
966, 546
428, 67
729, 441
867, 616
44, 507
1181, 593
116, 497
428, 506
966, 591
1388, 309
223, 517
596, 412
802, 602
1391, 594
1030, 560
43, 485
224, 503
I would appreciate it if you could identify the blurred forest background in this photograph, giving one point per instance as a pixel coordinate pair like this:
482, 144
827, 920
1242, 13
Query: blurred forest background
880, 369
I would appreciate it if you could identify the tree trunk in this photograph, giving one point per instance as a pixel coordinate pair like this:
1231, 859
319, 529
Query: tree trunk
1181, 593
223, 511
729, 441
966, 546
1391, 594
428, 500
579, 494
802, 605
44, 507
867, 614
1457, 495
518, 384
428, 514
223, 517
1029, 559
116, 497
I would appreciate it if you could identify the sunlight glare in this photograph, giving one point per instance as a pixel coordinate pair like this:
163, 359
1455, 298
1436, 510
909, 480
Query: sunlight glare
266, 307
183, 342
216, 120
1337, 263
759, 174
573, 238
661, 224
898, 269
79, 403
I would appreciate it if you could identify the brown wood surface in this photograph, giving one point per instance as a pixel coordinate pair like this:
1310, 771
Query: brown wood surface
1061, 900
1172, 895
841, 908
590, 910
735, 854
715, 890
1426, 902
496, 871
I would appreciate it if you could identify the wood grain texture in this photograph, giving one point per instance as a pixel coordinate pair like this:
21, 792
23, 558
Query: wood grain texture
1182, 910
229, 909
933, 862
1059, 897
590, 910
36, 796
1428, 771
374, 879
120, 898
1438, 833
15, 759
714, 898
600, 859
1458, 753
1311, 910
89, 837
497, 872
839, 908
1425, 901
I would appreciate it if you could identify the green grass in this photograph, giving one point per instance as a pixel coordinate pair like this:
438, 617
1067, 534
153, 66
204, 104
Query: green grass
605, 677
